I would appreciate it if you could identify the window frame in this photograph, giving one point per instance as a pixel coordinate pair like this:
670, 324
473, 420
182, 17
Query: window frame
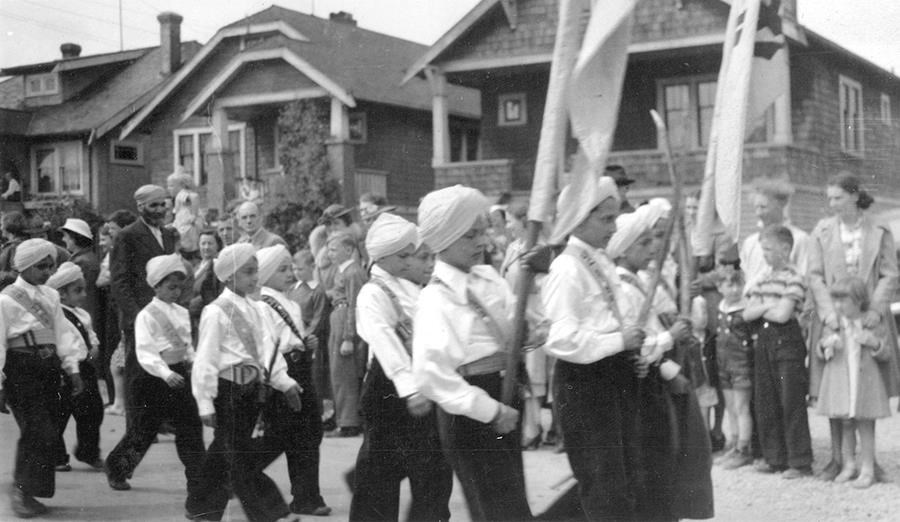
502, 117
693, 81
851, 84
43, 91
886, 108
56, 146
363, 136
195, 133
139, 149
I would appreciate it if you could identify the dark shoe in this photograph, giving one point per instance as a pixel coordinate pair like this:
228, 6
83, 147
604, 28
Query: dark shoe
97, 464
795, 473
309, 509
63, 467
346, 431
118, 484
765, 467
830, 471
717, 440
329, 424
25, 506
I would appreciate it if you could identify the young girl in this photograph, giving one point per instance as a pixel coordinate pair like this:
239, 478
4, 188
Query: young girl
853, 386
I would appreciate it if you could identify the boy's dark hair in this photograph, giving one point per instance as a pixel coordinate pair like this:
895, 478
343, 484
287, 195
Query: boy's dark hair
344, 239
852, 287
14, 223
122, 217
304, 256
730, 275
779, 234
178, 275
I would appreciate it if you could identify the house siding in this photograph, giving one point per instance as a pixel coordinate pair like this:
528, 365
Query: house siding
115, 182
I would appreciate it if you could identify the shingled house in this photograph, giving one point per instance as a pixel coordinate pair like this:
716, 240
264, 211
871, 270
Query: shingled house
59, 120
816, 107
236, 84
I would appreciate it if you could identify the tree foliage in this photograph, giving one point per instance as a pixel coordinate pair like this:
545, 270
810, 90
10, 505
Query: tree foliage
303, 130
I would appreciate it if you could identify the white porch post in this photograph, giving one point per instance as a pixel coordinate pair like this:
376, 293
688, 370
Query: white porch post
440, 122
340, 120
783, 133
220, 184
341, 152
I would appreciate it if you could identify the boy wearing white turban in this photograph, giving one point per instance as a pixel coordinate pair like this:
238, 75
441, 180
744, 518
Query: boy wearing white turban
462, 328
86, 407
236, 358
35, 342
595, 380
297, 434
162, 331
400, 438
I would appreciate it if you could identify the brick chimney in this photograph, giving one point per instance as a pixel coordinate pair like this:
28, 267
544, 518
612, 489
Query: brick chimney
342, 17
169, 41
70, 50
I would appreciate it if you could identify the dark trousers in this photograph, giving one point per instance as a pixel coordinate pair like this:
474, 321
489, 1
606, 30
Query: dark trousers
488, 465
232, 456
598, 414
159, 402
32, 385
780, 386
87, 409
397, 445
296, 434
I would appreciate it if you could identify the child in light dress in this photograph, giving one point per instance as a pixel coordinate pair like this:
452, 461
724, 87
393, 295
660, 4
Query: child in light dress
853, 387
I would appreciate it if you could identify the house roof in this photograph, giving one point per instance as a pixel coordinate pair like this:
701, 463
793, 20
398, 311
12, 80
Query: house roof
100, 106
365, 64
71, 64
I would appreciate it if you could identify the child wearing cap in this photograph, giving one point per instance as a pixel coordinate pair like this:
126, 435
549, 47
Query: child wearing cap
296, 434
34, 344
162, 332
86, 407
236, 362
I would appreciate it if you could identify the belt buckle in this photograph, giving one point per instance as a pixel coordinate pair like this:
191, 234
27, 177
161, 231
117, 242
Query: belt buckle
247, 374
295, 355
44, 353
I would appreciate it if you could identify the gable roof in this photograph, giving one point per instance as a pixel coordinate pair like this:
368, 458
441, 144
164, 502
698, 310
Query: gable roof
101, 106
365, 64
71, 64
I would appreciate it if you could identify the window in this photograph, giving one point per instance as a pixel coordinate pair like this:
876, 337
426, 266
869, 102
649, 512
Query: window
687, 104
41, 84
192, 146
885, 109
512, 109
851, 108
463, 144
56, 168
126, 152
357, 127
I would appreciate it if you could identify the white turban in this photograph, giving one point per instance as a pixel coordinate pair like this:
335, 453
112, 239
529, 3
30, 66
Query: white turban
630, 227
159, 267
231, 259
31, 251
659, 208
389, 234
66, 274
269, 259
149, 193
445, 215
578, 199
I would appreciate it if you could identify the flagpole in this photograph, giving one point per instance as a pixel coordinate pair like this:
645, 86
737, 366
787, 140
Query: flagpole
543, 189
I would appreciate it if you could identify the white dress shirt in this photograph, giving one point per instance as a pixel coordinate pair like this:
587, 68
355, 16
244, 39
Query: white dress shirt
154, 351
583, 327
658, 340
82, 349
220, 348
448, 333
278, 327
15, 321
376, 323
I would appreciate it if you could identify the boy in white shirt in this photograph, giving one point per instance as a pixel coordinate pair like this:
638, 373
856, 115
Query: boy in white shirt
162, 332
236, 360
87, 407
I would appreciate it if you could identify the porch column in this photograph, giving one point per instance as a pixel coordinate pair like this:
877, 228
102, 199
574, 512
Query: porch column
782, 132
440, 122
219, 164
340, 152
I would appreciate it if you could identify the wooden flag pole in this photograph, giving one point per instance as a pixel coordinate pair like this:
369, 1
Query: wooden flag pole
550, 149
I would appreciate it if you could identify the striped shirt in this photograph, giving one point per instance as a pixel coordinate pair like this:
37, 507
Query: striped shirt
773, 285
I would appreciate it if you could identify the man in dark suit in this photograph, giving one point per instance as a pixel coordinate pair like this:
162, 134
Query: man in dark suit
134, 246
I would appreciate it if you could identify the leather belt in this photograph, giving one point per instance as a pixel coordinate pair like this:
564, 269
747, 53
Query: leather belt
241, 374
44, 351
295, 355
496, 362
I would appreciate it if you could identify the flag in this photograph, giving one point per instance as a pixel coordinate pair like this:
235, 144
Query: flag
592, 98
721, 192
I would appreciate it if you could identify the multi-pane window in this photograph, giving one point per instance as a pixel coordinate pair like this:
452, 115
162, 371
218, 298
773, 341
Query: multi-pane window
192, 146
56, 168
687, 104
41, 84
851, 109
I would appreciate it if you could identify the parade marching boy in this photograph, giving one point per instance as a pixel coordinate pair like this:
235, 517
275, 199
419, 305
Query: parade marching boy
400, 439
235, 364
34, 343
297, 434
163, 347
86, 407
462, 327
